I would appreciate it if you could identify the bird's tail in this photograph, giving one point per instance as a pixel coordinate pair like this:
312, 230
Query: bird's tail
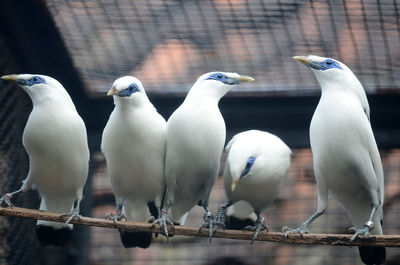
54, 233
232, 222
137, 212
372, 255
240, 215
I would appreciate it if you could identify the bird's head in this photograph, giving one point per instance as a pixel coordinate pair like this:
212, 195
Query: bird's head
127, 87
327, 70
217, 84
39, 87
244, 170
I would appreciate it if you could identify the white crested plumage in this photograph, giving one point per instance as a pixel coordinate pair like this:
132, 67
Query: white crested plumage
259, 182
56, 142
262, 183
133, 143
195, 141
345, 155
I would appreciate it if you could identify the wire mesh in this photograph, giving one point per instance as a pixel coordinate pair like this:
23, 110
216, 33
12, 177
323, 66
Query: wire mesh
18, 244
168, 44
295, 203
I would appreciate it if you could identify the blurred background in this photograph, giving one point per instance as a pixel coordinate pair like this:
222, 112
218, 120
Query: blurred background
167, 44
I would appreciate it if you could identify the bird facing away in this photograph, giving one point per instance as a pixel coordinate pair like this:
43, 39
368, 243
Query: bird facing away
256, 166
134, 146
345, 155
56, 142
195, 141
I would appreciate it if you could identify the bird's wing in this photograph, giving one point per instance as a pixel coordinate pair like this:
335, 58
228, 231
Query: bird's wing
360, 92
376, 162
364, 104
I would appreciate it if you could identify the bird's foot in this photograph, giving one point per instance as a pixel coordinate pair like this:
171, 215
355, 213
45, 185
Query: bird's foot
302, 229
163, 222
209, 222
220, 218
73, 214
116, 216
6, 199
257, 228
365, 231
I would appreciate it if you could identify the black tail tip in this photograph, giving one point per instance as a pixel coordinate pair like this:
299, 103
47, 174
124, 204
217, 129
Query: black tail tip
135, 239
47, 235
236, 223
372, 255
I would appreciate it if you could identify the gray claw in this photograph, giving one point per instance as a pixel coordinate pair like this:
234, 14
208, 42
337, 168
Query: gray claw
6, 198
257, 228
363, 231
163, 222
302, 229
209, 223
74, 213
116, 216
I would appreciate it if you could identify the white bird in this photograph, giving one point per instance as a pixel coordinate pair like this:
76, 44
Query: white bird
195, 141
346, 158
56, 142
256, 167
134, 146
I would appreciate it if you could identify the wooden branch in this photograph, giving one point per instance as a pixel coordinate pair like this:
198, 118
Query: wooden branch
322, 239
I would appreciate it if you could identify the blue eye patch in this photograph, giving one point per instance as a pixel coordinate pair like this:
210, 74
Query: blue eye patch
223, 78
132, 88
325, 65
33, 81
249, 164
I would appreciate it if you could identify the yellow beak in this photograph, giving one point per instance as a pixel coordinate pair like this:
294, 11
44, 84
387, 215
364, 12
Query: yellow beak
302, 59
234, 183
245, 78
10, 77
112, 91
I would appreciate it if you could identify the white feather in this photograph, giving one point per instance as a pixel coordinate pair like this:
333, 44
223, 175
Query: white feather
346, 158
56, 142
195, 141
261, 185
133, 143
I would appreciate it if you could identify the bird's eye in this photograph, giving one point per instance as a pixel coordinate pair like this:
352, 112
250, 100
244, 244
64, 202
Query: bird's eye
131, 88
35, 79
219, 76
329, 62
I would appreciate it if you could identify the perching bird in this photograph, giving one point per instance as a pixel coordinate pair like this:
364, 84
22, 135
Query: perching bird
195, 141
134, 146
56, 142
346, 158
256, 167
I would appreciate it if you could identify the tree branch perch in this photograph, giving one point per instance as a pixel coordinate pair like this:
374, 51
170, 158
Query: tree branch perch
322, 239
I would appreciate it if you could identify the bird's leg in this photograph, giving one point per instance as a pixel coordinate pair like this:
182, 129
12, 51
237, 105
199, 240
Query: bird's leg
6, 198
164, 221
259, 226
116, 215
209, 221
74, 212
302, 229
367, 228
220, 217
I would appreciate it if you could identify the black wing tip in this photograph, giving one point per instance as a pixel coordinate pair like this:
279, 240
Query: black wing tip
372, 255
48, 235
135, 239
237, 224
